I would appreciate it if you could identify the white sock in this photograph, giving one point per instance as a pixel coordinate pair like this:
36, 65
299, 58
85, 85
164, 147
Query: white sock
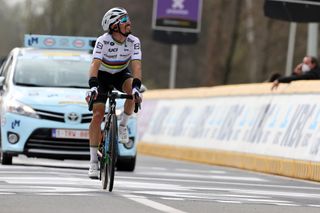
124, 120
93, 154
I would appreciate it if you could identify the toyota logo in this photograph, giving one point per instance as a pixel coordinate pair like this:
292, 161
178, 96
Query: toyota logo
72, 117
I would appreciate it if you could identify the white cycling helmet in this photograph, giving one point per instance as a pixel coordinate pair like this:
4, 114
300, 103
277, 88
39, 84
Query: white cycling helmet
112, 16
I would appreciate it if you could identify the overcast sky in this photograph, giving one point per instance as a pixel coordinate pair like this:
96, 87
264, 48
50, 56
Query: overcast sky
37, 5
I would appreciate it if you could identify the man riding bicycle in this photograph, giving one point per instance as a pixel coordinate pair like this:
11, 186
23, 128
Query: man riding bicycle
112, 54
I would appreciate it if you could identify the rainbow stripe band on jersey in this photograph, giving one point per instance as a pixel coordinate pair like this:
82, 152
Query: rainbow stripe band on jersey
116, 65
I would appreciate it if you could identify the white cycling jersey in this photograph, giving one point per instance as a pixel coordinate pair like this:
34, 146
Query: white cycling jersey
116, 56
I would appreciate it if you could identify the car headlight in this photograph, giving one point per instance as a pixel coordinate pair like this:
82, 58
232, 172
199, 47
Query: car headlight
16, 107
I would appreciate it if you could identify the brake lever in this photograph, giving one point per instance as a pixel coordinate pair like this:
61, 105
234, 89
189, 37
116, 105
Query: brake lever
137, 106
90, 104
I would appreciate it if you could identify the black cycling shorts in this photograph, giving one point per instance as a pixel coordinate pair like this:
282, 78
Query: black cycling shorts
107, 82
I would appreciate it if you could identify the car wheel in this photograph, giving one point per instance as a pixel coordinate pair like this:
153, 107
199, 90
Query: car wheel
126, 164
6, 159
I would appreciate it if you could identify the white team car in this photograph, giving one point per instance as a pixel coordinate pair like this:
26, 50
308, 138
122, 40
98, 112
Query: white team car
42, 102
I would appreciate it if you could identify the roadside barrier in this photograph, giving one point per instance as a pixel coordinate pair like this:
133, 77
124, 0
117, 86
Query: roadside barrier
245, 126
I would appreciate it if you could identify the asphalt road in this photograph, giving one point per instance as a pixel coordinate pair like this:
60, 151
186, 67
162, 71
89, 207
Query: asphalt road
157, 185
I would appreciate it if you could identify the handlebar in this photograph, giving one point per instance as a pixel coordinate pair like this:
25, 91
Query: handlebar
115, 95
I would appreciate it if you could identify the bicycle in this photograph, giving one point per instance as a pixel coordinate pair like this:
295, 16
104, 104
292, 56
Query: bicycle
108, 149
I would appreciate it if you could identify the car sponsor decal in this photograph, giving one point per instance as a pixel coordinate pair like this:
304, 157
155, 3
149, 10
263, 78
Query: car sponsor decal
78, 43
15, 123
52, 95
49, 42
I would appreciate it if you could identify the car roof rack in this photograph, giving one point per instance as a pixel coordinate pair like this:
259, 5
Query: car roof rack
59, 42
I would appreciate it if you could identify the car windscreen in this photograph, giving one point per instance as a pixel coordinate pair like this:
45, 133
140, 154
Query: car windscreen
52, 71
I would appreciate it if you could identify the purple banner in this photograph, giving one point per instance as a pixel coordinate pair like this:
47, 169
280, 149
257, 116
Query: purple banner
177, 15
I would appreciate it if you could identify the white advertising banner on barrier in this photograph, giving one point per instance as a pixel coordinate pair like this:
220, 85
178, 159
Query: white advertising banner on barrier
283, 125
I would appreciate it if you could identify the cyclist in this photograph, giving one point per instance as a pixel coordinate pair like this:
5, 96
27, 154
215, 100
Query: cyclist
112, 54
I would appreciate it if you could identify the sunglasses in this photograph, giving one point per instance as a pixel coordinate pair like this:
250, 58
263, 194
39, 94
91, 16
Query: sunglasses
124, 19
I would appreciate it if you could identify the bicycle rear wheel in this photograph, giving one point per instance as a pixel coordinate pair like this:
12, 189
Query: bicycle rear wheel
111, 156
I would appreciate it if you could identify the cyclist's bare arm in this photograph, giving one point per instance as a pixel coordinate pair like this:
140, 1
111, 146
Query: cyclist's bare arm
136, 69
94, 68
136, 73
93, 73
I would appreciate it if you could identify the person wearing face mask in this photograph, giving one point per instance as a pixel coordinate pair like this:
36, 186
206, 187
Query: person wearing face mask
307, 70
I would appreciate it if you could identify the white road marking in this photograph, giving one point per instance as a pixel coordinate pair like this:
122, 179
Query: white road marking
158, 168
278, 193
218, 182
229, 201
285, 204
46, 172
313, 205
171, 194
152, 204
7, 193
46, 189
214, 197
58, 181
154, 186
48, 180
48, 162
259, 192
172, 198
67, 194
182, 170
187, 175
268, 201
196, 195
201, 171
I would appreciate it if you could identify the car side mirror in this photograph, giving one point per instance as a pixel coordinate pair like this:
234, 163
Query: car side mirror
2, 60
1, 81
143, 88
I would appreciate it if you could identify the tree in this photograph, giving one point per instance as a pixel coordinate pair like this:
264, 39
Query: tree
237, 43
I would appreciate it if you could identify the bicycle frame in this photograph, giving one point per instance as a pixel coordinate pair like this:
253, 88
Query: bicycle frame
111, 111
108, 148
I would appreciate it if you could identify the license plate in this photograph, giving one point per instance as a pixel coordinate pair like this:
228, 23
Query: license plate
68, 133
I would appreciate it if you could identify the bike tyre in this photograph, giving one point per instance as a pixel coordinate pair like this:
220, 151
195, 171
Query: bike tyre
104, 160
104, 174
113, 140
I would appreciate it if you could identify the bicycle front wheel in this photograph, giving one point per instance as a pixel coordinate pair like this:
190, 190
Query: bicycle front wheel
103, 170
112, 152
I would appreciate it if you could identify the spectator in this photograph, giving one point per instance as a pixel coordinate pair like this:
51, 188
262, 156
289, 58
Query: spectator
307, 70
297, 71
